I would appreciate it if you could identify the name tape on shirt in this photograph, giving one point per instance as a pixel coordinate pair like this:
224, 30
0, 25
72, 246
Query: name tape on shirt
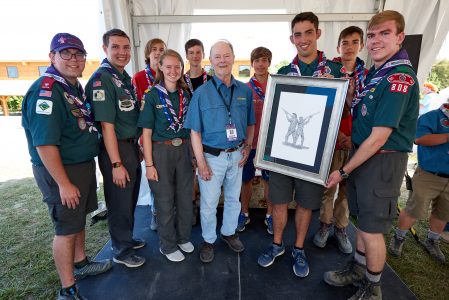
44, 107
98, 95
400, 82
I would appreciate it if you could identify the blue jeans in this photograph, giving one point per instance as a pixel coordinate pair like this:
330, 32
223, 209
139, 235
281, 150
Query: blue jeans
226, 173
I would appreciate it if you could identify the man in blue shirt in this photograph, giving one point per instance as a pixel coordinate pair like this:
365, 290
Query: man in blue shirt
221, 119
430, 183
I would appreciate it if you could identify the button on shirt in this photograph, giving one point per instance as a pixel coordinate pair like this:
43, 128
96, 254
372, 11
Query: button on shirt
433, 159
208, 114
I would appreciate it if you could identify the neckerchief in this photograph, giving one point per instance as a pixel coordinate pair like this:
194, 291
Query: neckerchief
320, 68
83, 105
358, 74
129, 89
399, 58
445, 109
257, 87
189, 81
149, 75
176, 122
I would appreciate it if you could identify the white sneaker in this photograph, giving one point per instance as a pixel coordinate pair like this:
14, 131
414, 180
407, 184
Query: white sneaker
187, 247
176, 256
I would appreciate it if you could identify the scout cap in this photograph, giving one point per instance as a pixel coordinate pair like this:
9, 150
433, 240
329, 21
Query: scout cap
63, 41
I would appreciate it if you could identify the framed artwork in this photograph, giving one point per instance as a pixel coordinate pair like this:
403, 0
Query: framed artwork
299, 127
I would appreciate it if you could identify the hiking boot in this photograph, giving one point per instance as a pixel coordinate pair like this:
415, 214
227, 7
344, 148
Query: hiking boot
300, 266
267, 257
92, 268
320, 238
433, 247
207, 252
352, 273
131, 261
73, 295
243, 220
269, 223
368, 291
175, 256
342, 239
233, 242
138, 243
186, 247
395, 247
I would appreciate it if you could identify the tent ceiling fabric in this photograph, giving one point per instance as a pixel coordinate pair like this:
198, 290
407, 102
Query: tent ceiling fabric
422, 17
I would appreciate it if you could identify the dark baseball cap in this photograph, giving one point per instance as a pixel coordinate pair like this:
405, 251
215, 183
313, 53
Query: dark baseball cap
64, 40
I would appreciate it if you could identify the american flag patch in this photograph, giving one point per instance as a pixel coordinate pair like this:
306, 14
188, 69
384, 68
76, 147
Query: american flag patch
97, 83
45, 93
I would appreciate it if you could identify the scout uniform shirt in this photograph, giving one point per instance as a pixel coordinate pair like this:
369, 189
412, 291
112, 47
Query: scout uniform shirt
114, 100
152, 116
49, 117
331, 67
394, 103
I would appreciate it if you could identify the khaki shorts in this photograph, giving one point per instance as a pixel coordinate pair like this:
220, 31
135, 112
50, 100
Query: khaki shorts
429, 189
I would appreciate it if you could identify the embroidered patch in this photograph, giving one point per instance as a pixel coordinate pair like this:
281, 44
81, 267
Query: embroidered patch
444, 122
44, 107
125, 104
400, 82
96, 83
241, 98
159, 106
68, 98
82, 123
117, 82
364, 110
98, 95
44, 93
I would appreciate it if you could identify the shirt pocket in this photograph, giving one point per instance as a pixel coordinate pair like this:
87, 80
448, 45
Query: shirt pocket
215, 118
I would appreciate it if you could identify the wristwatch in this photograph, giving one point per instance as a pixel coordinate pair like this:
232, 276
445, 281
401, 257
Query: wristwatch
343, 174
117, 164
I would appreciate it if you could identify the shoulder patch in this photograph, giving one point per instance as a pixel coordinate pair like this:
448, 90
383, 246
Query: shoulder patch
98, 95
96, 83
444, 122
400, 82
44, 107
45, 93
47, 83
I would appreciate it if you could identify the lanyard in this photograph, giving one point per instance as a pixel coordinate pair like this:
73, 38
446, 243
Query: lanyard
228, 107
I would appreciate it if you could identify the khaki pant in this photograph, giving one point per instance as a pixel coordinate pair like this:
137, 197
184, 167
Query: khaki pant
336, 212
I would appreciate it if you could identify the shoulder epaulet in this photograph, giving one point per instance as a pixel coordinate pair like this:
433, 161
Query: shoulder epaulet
96, 75
47, 83
405, 68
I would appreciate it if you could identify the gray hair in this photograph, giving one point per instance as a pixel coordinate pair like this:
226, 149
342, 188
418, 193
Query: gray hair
222, 41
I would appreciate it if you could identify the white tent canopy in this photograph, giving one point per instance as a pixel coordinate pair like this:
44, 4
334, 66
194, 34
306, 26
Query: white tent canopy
172, 20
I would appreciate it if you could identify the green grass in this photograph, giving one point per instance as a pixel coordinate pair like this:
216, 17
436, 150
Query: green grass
27, 270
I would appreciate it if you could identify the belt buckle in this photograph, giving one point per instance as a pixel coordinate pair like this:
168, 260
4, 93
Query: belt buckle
176, 142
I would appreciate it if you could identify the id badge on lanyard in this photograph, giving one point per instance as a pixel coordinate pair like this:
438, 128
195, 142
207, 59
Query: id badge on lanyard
231, 132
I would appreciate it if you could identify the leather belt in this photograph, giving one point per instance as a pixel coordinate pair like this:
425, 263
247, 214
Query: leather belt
216, 151
174, 142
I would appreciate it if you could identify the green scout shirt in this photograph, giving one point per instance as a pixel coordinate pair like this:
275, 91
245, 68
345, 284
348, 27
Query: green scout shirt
112, 104
152, 116
308, 69
48, 120
393, 103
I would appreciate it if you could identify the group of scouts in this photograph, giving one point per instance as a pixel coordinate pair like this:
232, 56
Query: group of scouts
193, 121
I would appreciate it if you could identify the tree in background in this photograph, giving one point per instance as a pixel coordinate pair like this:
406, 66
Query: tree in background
439, 74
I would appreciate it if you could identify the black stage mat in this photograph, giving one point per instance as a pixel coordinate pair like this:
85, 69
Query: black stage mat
230, 275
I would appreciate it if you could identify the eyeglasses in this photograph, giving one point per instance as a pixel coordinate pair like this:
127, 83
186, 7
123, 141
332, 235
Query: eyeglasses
67, 55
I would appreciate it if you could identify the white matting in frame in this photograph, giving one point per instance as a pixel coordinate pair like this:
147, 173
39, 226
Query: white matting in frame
299, 126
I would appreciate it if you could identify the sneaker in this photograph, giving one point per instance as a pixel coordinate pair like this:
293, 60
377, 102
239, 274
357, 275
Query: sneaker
153, 223
75, 295
176, 256
207, 252
321, 236
243, 220
395, 246
352, 273
187, 247
342, 239
445, 236
267, 257
92, 268
131, 261
269, 223
368, 291
138, 243
433, 247
300, 265
233, 242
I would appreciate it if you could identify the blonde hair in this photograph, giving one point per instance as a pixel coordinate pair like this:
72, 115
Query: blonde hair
388, 15
150, 45
160, 75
